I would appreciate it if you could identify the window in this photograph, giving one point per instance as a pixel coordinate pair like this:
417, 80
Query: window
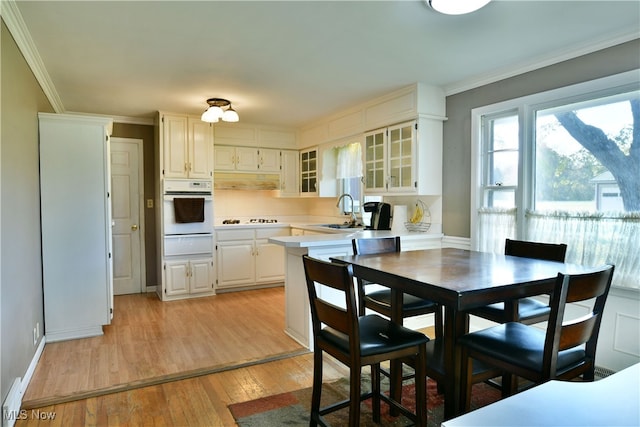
563, 166
349, 175
352, 186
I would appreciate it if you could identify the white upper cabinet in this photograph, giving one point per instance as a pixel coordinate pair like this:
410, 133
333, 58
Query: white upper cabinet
200, 148
404, 159
402, 152
187, 147
173, 131
289, 175
254, 135
309, 172
246, 159
389, 161
224, 157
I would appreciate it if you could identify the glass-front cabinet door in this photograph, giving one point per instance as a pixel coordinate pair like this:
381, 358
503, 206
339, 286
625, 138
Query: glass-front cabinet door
309, 171
400, 153
389, 161
374, 160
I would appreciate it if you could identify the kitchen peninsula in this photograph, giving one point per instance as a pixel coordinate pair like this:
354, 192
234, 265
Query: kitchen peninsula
323, 246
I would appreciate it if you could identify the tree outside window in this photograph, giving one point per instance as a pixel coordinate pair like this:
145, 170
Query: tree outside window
588, 156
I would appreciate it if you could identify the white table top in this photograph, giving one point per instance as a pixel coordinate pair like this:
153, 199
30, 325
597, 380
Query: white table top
611, 401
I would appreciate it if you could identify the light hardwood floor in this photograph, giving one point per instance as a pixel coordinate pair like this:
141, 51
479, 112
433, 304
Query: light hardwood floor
147, 334
200, 401
151, 342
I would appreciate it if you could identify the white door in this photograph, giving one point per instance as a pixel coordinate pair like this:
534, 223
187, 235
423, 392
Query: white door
126, 184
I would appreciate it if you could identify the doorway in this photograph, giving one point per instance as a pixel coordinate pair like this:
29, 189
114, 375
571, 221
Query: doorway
127, 182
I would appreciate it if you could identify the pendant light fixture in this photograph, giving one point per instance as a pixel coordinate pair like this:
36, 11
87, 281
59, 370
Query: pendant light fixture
215, 111
456, 7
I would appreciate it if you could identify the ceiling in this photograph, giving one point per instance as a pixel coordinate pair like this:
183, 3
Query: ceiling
289, 63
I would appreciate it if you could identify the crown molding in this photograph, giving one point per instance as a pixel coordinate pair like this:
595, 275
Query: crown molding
539, 62
119, 119
18, 29
13, 19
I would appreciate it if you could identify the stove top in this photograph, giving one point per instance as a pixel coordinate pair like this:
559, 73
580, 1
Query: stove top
251, 221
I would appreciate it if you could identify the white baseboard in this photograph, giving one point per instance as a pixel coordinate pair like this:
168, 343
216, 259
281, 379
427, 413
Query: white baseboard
456, 242
34, 362
11, 406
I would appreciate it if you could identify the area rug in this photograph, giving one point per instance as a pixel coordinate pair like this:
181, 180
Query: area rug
292, 408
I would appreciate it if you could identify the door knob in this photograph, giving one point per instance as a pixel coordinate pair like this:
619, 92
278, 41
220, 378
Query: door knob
134, 227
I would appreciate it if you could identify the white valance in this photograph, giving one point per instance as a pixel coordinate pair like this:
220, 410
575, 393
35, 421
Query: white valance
592, 238
349, 161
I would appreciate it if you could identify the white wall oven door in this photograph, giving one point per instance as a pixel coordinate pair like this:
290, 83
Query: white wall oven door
172, 227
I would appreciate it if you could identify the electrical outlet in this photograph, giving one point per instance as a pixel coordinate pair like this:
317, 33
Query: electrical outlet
35, 337
37, 330
150, 203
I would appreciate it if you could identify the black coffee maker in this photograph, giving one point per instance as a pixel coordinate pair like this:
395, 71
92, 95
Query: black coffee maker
380, 215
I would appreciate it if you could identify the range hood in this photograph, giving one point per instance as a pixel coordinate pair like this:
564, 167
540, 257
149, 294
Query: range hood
245, 181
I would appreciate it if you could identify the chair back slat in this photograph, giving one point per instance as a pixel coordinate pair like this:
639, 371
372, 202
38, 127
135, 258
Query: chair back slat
538, 250
332, 316
564, 333
378, 245
577, 332
582, 288
337, 277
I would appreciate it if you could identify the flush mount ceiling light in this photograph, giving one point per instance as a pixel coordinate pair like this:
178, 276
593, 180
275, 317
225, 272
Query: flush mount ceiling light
214, 112
456, 7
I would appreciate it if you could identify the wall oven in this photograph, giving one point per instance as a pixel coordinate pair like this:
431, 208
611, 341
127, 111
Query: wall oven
188, 207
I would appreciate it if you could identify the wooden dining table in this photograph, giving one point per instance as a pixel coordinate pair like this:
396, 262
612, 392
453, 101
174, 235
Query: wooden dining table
459, 280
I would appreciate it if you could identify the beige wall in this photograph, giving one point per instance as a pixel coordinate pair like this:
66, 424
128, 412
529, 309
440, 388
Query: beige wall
20, 262
457, 129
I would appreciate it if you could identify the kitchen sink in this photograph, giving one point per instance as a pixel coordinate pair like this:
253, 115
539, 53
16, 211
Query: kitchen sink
343, 225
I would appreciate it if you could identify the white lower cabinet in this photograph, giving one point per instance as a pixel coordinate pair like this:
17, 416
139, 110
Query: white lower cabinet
247, 259
188, 276
236, 263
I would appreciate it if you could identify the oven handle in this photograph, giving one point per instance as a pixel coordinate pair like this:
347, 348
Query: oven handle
170, 197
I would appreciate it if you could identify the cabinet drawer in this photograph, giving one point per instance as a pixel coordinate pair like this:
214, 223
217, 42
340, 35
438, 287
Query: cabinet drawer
242, 234
187, 245
265, 233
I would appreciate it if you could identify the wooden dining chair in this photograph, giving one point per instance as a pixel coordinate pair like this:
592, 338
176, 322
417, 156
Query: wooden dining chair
565, 350
357, 341
379, 300
523, 310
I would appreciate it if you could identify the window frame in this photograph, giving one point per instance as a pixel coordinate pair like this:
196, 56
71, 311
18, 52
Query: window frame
526, 108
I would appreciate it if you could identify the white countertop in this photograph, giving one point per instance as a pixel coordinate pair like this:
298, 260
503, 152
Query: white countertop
330, 236
611, 401
251, 225
343, 236
305, 226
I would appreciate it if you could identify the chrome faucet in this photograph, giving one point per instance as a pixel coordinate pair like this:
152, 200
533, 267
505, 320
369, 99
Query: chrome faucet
353, 215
